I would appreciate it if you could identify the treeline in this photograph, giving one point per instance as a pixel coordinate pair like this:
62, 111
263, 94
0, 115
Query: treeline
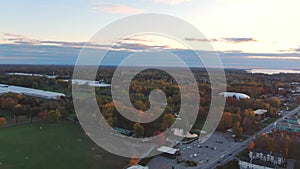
238, 114
278, 142
19, 106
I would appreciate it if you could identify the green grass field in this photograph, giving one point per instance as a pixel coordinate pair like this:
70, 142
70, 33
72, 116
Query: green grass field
52, 146
269, 121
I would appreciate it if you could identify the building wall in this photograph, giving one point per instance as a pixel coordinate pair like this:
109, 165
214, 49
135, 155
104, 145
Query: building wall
247, 165
266, 157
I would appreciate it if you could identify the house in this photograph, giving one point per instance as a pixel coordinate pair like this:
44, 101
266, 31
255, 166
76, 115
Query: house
247, 163
274, 158
282, 126
292, 120
123, 131
260, 159
260, 113
168, 151
138, 167
291, 124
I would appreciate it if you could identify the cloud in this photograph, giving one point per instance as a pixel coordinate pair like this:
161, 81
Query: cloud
135, 39
228, 40
238, 40
18, 51
117, 8
290, 50
23, 40
139, 47
17, 58
171, 2
19, 39
275, 57
12, 35
233, 51
201, 40
74, 44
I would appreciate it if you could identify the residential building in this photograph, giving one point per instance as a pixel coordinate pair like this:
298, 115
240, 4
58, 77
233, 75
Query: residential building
289, 125
260, 159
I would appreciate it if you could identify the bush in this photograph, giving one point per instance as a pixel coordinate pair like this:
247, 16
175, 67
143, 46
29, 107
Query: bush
53, 116
2, 121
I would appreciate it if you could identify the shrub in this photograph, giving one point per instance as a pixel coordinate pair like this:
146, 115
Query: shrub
2, 121
53, 116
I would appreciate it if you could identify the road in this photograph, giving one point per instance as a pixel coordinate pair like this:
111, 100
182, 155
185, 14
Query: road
232, 152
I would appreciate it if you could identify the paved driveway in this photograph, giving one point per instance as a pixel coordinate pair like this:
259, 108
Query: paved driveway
214, 147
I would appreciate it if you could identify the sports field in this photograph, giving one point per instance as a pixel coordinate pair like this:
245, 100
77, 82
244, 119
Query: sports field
61, 145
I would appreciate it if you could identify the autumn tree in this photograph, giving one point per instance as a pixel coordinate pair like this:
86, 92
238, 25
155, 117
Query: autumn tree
226, 121
133, 161
2, 121
249, 121
274, 101
247, 125
236, 118
110, 112
53, 116
237, 129
168, 120
251, 145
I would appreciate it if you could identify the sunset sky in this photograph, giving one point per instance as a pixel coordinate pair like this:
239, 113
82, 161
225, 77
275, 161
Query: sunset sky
246, 33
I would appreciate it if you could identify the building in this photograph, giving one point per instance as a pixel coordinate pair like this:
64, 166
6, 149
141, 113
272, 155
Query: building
138, 167
260, 113
260, 159
274, 158
168, 151
123, 131
288, 125
247, 163
238, 96
30, 92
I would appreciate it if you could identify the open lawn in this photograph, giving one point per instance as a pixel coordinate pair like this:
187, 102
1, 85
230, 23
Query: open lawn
269, 121
52, 146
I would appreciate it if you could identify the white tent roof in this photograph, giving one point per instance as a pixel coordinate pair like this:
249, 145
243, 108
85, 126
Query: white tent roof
29, 91
169, 150
260, 111
138, 167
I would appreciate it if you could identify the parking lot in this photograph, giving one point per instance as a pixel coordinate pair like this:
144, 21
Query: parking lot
202, 153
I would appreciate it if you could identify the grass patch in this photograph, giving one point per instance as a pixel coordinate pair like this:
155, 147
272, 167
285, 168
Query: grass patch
269, 120
234, 164
61, 146
199, 124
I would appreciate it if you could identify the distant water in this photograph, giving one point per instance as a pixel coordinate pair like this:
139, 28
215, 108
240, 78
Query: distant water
272, 71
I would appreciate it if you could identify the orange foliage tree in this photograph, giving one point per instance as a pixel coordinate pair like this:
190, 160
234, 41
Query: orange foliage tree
251, 145
2, 121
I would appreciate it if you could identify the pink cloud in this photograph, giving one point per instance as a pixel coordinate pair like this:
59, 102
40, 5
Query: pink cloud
16, 38
171, 2
118, 8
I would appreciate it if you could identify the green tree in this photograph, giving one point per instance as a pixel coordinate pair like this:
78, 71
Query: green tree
168, 120
138, 130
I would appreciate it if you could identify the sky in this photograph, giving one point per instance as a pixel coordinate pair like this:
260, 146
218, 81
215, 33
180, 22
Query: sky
245, 33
